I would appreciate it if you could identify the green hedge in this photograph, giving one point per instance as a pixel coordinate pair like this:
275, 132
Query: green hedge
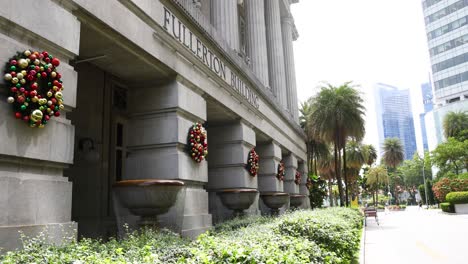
319, 236
457, 197
447, 207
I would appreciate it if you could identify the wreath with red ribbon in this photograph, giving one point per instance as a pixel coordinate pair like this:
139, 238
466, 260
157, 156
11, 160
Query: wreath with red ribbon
297, 178
252, 163
197, 142
35, 87
281, 172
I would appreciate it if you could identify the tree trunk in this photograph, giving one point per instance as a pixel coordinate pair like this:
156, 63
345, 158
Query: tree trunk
338, 171
330, 192
345, 173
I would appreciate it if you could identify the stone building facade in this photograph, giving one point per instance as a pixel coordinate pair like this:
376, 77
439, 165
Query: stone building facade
137, 75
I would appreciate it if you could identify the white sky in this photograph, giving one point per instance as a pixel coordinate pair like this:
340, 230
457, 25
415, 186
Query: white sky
364, 41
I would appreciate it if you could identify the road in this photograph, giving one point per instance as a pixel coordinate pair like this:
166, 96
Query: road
417, 236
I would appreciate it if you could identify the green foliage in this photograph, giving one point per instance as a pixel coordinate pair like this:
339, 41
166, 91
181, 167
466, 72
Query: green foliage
335, 230
455, 123
319, 236
393, 152
430, 195
318, 191
446, 185
451, 155
447, 207
376, 176
457, 197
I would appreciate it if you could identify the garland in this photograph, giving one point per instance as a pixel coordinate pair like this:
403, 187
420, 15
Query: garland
297, 178
198, 146
281, 173
252, 163
35, 88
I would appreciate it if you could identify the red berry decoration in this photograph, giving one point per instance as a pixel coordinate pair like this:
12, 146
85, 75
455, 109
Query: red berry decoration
297, 178
197, 142
281, 172
252, 163
28, 75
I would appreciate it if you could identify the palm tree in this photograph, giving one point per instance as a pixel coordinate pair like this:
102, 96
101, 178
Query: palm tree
355, 159
326, 168
337, 114
375, 177
370, 154
393, 153
454, 123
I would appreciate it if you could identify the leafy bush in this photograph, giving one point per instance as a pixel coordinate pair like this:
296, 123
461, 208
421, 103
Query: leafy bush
320, 236
447, 207
457, 197
430, 193
337, 235
446, 185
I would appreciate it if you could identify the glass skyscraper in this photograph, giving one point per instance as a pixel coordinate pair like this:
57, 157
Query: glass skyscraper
426, 91
447, 35
395, 117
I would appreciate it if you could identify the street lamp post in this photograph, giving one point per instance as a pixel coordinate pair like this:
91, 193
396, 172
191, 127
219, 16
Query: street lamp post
425, 185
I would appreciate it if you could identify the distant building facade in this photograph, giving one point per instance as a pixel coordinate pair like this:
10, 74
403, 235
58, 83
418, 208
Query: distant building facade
427, 97
394, 117
447, 34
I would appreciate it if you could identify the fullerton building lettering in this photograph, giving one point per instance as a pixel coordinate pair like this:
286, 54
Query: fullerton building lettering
181, 33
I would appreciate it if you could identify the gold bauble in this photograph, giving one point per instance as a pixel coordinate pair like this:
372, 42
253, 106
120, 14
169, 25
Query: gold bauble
23, 63
8, 77
58, 95
22, 81
14, 80
36, 115
49, 94
19, 76
10, 100
42, 101
27, 53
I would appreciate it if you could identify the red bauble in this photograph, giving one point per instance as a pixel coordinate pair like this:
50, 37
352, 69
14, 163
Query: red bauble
13, 62
43, 74
18, 115
26, 118
55, 62
57, 113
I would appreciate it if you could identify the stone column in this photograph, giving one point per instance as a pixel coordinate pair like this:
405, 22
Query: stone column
160, 120
289, 34
302, 168
270, 157
225, 19
228, 147
256, 39
276, 69
290, 164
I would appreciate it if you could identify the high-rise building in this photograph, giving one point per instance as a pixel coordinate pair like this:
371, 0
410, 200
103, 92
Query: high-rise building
447, 35
426, 91
395, 117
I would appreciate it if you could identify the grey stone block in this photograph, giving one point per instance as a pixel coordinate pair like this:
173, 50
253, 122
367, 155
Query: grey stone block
235, 176
269, 183
53, 233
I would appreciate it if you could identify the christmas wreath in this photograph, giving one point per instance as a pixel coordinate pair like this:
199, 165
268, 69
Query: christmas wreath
197, 142
297, 178
281, 173
252, 163
35, 87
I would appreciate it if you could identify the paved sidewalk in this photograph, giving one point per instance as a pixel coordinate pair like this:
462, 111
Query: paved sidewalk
417, 236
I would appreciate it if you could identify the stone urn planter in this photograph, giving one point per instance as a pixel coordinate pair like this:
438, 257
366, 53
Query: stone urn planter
148, 198
461, 208
274, 200
237, 200
296, 200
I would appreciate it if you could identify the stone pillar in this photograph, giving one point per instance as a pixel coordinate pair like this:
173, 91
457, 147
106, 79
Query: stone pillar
276, 69
290, 164
35, 197
225, 19
256, 39
269, 159
228, 148
302, 168
289, 34
160, 120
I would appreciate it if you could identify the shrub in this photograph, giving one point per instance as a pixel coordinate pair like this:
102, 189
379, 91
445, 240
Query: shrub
320, 236
446, 185
447, 207
457, 197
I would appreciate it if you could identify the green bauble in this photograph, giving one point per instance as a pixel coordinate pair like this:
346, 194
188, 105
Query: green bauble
23, 107
13, 68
